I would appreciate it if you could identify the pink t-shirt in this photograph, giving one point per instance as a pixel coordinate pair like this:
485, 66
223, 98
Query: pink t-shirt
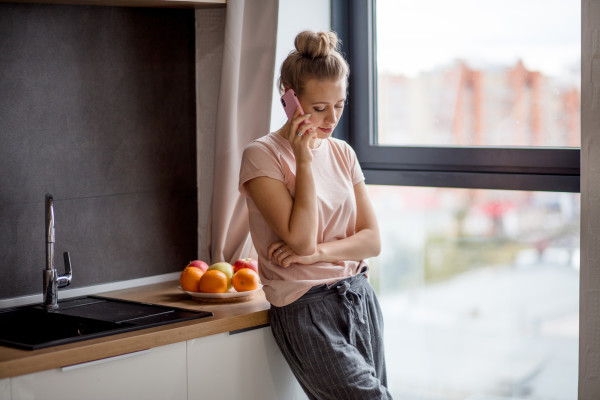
336, 170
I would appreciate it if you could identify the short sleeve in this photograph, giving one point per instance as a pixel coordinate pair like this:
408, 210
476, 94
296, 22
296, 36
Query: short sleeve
258, 160
356, 172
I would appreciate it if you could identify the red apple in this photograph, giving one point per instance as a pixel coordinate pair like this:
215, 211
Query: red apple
245, 263
198, 264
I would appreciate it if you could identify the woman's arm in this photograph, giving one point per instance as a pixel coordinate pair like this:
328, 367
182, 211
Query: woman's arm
294, 220
363, 244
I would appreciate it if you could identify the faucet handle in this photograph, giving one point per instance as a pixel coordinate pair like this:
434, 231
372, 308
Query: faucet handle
65, 279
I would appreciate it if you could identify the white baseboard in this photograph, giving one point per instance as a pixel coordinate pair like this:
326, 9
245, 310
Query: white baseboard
87, 290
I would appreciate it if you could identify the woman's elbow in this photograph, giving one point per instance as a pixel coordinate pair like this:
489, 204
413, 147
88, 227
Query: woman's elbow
376, 248
376, 244
304, 249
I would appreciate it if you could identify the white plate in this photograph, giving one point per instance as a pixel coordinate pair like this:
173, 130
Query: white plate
227, 295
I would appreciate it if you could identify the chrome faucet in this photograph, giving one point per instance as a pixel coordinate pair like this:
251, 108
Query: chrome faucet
53, 281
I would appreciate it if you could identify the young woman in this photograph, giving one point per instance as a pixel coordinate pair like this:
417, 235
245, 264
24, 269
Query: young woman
313, 225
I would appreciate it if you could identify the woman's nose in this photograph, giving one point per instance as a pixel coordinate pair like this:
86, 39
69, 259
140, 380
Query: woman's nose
331, 117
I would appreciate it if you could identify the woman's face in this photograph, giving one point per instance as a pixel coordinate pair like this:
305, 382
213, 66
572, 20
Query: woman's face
324, 100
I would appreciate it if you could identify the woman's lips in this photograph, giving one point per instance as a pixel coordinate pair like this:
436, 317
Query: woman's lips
326, 130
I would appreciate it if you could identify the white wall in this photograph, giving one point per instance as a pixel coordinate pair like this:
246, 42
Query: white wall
294, 17
589, 309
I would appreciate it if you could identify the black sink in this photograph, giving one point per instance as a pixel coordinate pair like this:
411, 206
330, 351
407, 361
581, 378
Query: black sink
32, 327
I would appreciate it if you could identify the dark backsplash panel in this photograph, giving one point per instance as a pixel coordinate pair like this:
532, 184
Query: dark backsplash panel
97, 108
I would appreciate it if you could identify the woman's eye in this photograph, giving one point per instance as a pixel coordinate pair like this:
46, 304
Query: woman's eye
320, 109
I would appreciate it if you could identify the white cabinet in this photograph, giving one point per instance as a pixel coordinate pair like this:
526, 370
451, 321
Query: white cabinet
246, 365
5, 389
158, 373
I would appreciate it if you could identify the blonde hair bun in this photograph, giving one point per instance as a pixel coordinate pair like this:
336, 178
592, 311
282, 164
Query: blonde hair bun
316, 55
316, 44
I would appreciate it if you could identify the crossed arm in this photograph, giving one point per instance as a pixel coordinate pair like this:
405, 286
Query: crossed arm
295, 221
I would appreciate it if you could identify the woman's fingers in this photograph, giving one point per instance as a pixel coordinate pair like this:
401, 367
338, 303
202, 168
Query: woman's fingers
281, 254
299, 125
284, 258
304, 132
298, 118
273, 249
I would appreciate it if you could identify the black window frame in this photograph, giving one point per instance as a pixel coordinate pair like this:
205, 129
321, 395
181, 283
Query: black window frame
508, 168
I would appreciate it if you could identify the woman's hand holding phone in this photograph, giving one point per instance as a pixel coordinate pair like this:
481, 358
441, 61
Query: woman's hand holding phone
290, 103
299, 127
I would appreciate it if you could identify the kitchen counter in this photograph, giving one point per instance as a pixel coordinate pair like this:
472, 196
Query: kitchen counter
227, 317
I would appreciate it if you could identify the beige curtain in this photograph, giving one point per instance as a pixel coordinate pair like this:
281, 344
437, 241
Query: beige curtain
243, 114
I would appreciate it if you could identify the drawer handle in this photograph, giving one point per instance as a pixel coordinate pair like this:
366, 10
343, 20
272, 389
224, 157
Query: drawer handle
105, 360
249, 329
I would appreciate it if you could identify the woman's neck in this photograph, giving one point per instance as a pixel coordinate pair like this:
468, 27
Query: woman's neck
312, 144
315, 143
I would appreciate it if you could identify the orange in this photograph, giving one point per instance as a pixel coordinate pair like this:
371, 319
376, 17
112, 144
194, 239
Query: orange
245, 279
189, 278
213, 281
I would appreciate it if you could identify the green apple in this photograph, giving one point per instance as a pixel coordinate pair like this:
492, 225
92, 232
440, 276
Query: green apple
225, 268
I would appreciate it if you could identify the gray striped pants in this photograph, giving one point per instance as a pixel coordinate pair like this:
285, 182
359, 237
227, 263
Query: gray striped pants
332, 338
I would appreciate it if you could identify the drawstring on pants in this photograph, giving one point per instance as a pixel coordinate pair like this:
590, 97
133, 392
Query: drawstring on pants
352, 300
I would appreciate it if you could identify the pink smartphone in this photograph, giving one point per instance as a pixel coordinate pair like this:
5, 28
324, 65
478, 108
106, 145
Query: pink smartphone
290, 102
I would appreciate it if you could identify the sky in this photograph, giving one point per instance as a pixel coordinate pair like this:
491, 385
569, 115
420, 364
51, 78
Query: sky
417, 35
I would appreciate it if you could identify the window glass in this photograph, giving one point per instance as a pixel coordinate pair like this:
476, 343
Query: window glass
478, 73
480, 292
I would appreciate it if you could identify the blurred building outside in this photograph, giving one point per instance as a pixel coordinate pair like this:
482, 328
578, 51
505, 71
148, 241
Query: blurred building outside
492, 105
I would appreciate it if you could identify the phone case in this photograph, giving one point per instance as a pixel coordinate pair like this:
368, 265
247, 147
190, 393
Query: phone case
289, 101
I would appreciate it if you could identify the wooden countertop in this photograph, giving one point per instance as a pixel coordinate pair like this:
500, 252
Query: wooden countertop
227, 317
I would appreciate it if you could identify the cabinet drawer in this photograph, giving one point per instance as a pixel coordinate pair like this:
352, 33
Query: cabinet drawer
159, 373
244, 365
5, 389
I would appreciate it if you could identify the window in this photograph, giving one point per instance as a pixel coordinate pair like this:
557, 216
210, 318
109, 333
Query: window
516, 82
430, 156
470, 145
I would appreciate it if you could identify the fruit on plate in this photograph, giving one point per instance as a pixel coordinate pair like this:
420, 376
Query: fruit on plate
198, 264
245, 263
225, 268
189, 278
213, 281
245, 279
